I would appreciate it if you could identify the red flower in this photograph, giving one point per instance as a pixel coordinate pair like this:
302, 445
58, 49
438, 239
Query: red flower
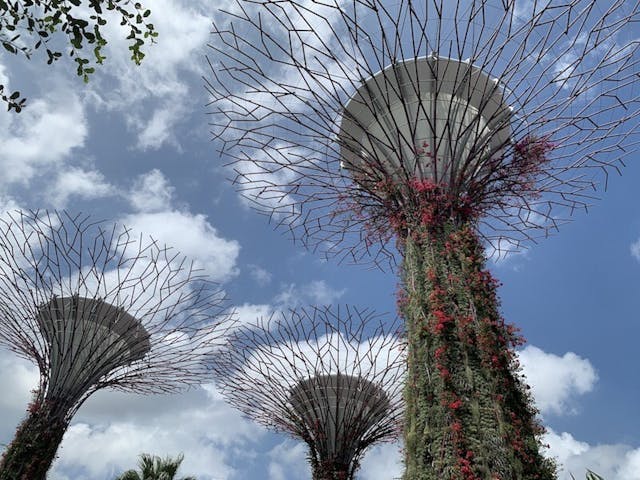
444, 371
442, 319
439, 352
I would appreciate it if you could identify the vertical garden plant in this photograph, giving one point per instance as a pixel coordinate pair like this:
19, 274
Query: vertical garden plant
422, 136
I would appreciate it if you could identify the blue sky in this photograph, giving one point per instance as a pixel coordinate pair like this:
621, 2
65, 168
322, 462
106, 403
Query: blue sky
134, 146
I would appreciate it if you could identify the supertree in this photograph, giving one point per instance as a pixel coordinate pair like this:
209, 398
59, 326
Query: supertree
450, 127
94, 306
332, 377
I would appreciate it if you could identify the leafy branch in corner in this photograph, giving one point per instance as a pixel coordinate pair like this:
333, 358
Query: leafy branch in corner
29, 25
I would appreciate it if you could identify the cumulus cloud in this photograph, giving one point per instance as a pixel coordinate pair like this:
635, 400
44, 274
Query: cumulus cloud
260, 275
151, 192
293, 295
8, 205
159, 129
41, 138
635, 249
76, 182
113, 428
17, 377
198, 424
612, 461
316, 292
249, 313
555, 380
188, 233
288, 461
191, 235
155, 97
382, 462
4, 79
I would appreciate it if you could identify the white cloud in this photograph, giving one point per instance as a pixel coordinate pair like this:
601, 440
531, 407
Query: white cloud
555, 380
635, 249
612, 462
316, 292
262, 178
288, 461
8, 205
113, 428
631, 466
17, 377
41, 138
6, 118
155, 96
4, 79
197, 424
76, 182
151, 192
159, 129
524, 9
191, 235
260, 275
249, 314
382, 462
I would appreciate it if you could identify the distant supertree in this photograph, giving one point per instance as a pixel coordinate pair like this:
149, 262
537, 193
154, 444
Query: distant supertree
96, 307
438, 124
330, 377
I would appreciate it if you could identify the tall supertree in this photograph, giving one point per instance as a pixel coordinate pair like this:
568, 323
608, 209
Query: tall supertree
94, 306
451, 127
332, 377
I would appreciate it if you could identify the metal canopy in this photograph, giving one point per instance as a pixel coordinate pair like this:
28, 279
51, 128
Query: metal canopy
87, 339
432, 118
337, 411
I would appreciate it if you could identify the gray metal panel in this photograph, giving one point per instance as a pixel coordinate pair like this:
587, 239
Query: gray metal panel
451, 106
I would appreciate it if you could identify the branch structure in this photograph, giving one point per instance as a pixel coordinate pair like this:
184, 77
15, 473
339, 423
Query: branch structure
322, 105
430, 131
330, 377
96, 307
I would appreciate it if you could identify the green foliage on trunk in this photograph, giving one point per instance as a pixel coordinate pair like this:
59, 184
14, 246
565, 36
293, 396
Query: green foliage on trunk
33, 449
469, 414
332, 471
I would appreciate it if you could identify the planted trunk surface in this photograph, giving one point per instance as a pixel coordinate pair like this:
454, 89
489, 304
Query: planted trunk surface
33, 449
469, 413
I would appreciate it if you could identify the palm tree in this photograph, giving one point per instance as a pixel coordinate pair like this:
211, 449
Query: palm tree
153, 467
590, 476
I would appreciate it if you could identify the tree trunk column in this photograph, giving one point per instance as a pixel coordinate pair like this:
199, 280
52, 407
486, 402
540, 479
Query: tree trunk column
469, 415
329, 474
33, 449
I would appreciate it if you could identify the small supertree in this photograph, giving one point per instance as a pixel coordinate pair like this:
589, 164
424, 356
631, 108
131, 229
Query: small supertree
95, 307
330, 377
430, 126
